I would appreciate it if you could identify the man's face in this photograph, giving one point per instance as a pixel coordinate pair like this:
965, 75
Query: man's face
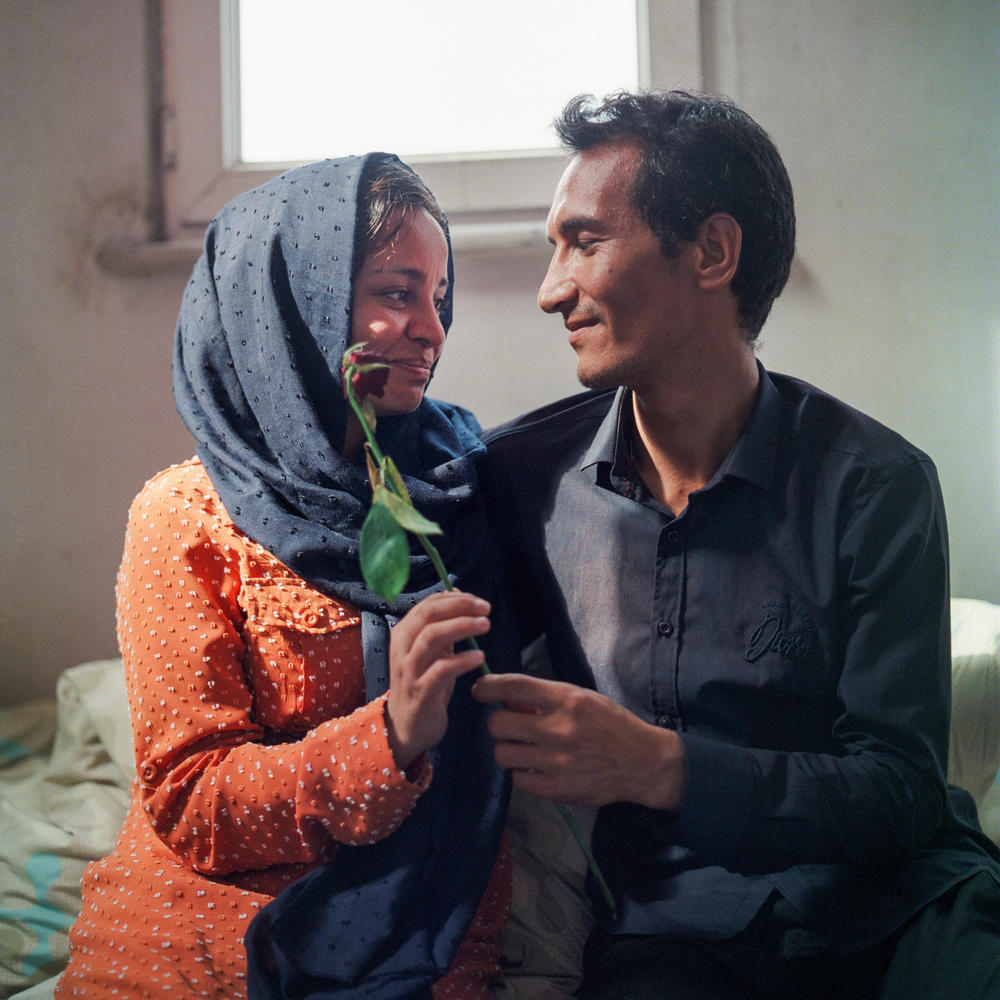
623, 303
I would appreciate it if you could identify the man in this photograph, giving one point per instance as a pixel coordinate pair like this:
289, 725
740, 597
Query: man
743, 586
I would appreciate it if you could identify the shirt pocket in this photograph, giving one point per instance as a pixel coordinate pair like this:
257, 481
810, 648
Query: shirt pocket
304, 662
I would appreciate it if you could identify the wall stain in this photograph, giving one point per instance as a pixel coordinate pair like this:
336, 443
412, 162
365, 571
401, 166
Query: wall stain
106, 208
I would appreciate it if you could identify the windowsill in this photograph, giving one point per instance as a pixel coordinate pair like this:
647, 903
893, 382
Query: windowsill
132, 259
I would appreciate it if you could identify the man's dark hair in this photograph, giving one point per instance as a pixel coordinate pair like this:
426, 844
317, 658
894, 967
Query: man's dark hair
699, 154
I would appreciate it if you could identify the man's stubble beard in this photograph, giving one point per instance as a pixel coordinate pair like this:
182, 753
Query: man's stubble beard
610, 377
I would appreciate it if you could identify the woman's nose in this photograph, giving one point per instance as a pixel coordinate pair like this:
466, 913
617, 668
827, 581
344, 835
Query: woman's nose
426, 325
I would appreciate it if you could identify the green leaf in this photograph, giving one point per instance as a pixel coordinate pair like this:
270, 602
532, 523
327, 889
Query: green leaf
394, 480
406, 515
384, 552
374, 473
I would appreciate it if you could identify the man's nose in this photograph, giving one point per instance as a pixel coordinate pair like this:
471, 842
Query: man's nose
556, 288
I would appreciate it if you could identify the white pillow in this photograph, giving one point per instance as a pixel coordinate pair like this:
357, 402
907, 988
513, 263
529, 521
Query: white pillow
974, 752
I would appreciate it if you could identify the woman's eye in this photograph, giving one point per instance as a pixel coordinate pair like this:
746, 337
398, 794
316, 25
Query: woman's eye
398, 294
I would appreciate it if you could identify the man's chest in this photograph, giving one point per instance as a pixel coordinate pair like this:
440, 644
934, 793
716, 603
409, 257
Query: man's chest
720, 619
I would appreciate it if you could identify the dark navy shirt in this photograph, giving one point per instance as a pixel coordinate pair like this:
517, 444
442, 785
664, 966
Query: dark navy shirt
791, 624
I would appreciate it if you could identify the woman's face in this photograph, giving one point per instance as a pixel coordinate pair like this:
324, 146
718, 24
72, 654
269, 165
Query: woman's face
398, 296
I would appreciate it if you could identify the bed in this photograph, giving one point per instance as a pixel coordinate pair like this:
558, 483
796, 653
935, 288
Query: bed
66, 764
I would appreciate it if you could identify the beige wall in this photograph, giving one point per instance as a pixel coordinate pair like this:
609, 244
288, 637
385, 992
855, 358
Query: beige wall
887, 115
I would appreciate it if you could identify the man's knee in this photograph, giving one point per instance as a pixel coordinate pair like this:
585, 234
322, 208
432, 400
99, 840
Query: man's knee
951, 949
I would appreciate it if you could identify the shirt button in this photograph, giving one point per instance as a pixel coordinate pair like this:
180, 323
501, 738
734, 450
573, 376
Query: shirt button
664, 627
673, 536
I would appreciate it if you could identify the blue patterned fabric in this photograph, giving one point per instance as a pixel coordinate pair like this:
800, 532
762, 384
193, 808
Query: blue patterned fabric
263, 326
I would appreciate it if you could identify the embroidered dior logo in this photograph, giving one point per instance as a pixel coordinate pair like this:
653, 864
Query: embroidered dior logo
785, 629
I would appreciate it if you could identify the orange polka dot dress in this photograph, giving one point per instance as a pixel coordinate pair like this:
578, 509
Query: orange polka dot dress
256, 755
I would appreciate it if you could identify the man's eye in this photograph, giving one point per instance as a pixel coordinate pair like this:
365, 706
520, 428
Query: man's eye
440, 305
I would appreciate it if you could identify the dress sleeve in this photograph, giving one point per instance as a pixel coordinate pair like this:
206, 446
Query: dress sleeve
222, 792
883, 797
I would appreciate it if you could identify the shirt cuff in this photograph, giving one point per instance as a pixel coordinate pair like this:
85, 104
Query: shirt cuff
718, 800
351, 783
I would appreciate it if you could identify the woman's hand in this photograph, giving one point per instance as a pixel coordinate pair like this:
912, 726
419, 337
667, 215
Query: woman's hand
423, 668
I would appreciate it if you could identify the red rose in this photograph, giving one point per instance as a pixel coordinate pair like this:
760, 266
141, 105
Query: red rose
368, 374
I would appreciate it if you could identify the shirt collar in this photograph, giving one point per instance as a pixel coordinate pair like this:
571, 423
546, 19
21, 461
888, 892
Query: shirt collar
751, 458
611, 440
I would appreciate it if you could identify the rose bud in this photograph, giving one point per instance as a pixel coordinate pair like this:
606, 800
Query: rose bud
369, 373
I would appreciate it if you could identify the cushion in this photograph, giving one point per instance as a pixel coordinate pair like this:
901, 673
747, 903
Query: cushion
550, 920
64, 774
974, 753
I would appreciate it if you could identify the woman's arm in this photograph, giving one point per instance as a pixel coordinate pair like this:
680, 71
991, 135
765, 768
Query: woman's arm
219, 789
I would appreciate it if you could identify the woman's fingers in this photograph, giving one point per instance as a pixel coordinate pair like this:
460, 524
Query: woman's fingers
430, 630
446, 604
438, 640
424, 667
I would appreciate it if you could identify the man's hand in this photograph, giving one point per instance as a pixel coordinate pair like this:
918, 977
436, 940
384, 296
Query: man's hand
576, 746
423, 668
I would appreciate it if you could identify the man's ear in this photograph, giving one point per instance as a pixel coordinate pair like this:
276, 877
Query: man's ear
717, 255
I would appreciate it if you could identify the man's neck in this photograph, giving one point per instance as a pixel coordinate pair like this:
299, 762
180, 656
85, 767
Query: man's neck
686, 427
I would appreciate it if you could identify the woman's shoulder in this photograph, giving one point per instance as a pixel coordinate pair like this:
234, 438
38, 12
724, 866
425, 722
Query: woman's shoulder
184, 487
179, 509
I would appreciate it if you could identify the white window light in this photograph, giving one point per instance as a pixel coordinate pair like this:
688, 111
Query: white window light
496, 182
440, 79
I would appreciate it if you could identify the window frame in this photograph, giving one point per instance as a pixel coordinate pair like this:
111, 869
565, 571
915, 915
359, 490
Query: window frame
496, 193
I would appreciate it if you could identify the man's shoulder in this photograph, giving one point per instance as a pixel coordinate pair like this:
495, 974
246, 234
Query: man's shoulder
532, 453
817, 420
555, 424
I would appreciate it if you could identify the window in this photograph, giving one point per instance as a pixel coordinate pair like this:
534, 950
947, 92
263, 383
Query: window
428, 80
210, 152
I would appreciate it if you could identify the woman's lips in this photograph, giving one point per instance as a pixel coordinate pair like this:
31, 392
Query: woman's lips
416, 369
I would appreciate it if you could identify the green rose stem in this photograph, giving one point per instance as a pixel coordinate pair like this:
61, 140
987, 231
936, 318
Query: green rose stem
391, 516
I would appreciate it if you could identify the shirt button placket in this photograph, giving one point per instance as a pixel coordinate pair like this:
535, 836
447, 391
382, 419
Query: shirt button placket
665, 627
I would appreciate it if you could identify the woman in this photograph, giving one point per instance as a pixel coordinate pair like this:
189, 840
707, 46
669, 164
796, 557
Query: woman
267, 744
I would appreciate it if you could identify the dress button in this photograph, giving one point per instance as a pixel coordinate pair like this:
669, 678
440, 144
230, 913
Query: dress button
311, 619
664, 627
